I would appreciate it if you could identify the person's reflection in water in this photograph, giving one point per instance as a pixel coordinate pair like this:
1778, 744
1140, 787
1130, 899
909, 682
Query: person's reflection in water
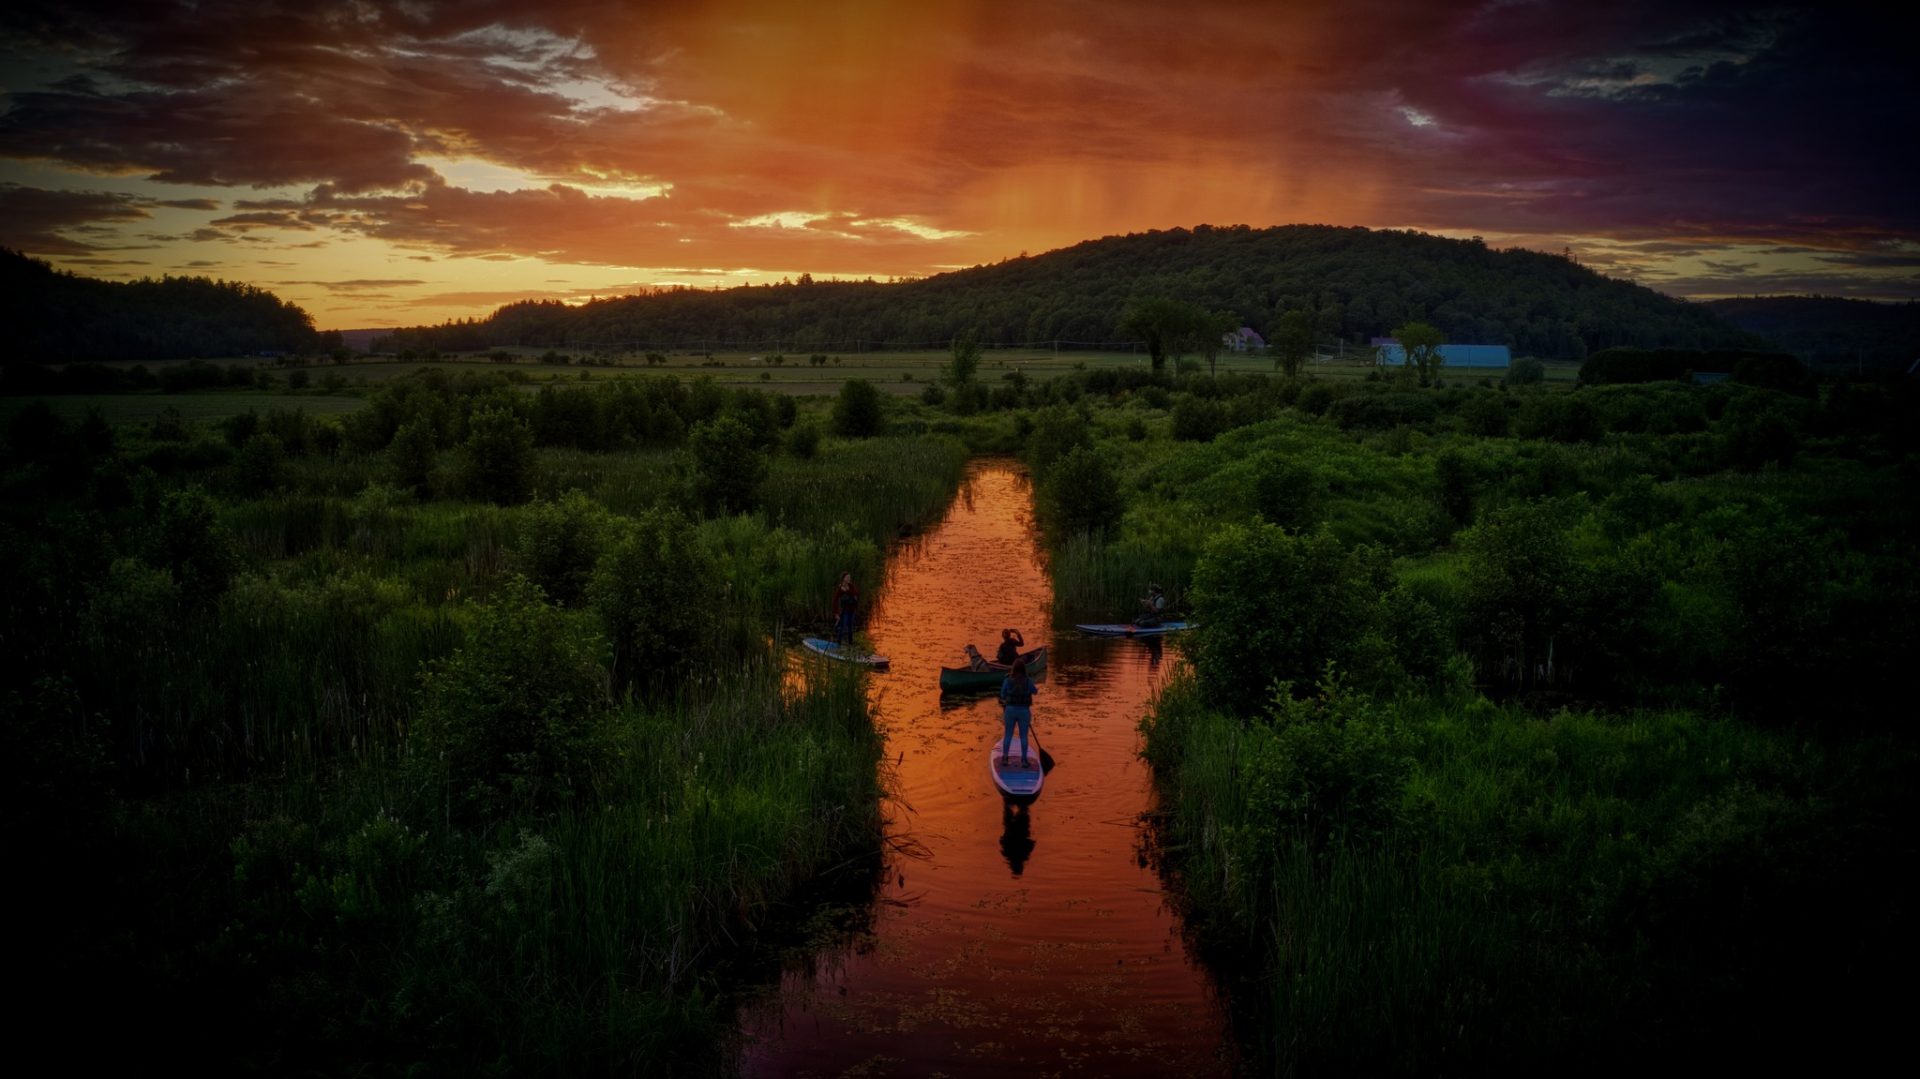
1016, 841
1154, 645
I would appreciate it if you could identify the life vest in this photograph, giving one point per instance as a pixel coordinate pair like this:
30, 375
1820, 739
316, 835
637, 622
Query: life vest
1016, 695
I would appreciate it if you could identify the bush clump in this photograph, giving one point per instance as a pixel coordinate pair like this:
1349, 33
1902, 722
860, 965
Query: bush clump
515, 718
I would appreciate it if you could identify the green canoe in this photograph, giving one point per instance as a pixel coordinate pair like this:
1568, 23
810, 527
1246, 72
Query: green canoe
958, 679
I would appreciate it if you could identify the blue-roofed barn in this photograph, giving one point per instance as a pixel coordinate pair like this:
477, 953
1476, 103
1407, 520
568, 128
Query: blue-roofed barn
1487, 356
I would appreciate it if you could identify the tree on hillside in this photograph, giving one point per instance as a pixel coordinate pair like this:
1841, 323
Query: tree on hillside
1292, 342
1421, 344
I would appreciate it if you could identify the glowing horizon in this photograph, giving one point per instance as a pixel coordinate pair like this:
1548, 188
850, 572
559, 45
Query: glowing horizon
400, 164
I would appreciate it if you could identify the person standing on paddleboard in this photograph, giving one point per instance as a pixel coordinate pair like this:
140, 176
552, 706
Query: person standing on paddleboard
1016, 696
846, 601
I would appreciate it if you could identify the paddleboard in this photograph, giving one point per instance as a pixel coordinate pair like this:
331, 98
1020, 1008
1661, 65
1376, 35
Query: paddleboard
1109, 629
1014, 780
844, 653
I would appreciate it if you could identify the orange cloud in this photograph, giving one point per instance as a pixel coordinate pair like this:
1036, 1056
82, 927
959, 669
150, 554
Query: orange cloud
872, 137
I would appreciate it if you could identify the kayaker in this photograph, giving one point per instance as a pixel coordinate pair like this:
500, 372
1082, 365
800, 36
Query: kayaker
1153, 607
1016, 695
846, 601
1010, 645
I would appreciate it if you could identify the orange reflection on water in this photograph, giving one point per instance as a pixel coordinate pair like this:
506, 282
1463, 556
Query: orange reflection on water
1039, 927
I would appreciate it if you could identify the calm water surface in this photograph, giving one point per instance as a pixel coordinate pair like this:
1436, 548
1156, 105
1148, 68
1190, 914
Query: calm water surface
1037, 941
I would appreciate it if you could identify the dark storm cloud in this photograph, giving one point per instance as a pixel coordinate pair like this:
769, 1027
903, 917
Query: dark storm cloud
36, 220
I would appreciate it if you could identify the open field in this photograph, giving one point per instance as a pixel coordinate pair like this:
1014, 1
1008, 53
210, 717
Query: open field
210, 405
897, 372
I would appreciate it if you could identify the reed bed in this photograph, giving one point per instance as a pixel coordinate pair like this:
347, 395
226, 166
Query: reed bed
1587, 887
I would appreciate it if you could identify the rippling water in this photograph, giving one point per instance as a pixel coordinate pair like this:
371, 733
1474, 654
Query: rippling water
1031, 940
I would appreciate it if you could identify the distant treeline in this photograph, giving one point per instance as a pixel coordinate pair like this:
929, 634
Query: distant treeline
1829, 331
55, 317
32, 379
1355, 283
1772, 370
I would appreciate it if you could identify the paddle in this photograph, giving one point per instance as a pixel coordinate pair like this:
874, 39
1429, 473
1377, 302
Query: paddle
1046, 759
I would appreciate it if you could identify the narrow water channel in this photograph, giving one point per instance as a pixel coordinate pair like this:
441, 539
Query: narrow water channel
1037, 942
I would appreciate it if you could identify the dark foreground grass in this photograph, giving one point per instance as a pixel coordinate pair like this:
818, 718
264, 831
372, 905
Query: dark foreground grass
346, 777
346, 924
1574, 892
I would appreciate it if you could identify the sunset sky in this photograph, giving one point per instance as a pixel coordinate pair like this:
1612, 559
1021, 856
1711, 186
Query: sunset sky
398, 163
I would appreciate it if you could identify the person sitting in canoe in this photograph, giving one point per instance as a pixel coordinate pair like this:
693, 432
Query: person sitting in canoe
1010, 645
1153, 607
846, 601
976, 661
1016, 695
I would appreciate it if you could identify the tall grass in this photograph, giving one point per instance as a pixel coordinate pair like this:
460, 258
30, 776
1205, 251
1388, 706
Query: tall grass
874, 487
593, 940
272, 676
1095, 579
1582, 888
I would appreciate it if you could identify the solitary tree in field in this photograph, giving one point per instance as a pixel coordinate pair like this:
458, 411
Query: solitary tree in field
1210, 330
965, 360
1164, 326
1421, 344
1292, 342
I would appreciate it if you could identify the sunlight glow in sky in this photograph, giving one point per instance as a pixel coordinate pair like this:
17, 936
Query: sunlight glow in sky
397, 163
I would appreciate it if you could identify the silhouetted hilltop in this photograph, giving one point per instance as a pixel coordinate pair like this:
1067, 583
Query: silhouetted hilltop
54, 317
1358, 283
1830, 331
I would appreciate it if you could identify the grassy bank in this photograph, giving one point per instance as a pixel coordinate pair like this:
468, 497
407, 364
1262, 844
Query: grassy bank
1524, 728
453, 736
1575, 890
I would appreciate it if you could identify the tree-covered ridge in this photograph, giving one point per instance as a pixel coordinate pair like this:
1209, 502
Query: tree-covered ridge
1830, 330
1355, 283
56, 317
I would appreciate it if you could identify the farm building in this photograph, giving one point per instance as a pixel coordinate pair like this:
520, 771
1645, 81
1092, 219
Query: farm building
1243, 339
1450, 355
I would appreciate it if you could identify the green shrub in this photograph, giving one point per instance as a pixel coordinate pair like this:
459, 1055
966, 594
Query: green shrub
559, 544
1319, 768
1287, 493
728, 466
1526, 372
803, 441
185, 538
1380, 411
409, 459
515, 718
1196, 419
261, 465
1057, 432
856, 411
1454, 485
1757, 431
1079, 494
657, 592
496, 461
1274, 607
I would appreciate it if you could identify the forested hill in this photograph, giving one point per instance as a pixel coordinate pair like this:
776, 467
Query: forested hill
1357, 282
52, 317
1831, 330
